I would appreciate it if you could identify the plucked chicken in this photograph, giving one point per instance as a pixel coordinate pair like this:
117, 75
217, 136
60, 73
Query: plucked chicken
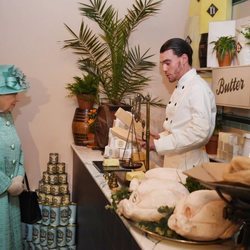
151, 193
199, 216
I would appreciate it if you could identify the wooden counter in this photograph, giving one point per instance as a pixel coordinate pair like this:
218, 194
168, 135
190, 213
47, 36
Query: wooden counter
102, 229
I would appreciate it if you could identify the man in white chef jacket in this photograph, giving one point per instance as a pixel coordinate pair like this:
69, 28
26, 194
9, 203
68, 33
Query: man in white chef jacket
190, 112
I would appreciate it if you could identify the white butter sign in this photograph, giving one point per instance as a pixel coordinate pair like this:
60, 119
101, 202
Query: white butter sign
231, 86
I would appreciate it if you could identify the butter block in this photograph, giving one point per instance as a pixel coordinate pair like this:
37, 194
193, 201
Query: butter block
118, 123
135, 174
110, 152
119, 143
111, 162
125, 153
126, 118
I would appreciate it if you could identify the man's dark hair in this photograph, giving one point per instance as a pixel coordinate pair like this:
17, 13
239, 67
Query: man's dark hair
179, 47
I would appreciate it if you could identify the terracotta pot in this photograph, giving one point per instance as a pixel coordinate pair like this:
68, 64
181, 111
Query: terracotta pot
85, 101
226, 61
212, 145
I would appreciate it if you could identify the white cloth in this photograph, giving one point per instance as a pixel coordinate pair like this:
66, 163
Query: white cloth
190, 121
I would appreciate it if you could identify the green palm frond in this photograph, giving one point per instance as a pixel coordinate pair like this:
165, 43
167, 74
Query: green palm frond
121, 69
86, 43
141, 10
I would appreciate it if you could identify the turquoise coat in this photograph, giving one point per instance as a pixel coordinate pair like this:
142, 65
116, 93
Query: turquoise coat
11, 165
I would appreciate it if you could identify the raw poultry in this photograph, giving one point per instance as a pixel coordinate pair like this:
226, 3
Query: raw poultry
162, 189
199, 216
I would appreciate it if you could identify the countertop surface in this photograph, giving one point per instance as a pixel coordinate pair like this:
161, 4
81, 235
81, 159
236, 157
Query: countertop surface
145, 241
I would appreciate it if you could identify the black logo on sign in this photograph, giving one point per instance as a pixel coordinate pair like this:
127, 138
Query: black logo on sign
212, 10
232, 86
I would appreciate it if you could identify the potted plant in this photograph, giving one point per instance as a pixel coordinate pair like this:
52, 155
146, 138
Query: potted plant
121, 68
85, 88
107, 55
243, 42
246, 33
225, 48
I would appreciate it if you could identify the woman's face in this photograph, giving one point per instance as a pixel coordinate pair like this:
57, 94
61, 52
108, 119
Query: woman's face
7, 102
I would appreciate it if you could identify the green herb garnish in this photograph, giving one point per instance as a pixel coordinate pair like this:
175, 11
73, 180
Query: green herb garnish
193, 185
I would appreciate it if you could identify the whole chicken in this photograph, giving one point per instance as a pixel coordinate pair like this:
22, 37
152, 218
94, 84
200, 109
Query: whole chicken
199, 216
166, 174
148, 195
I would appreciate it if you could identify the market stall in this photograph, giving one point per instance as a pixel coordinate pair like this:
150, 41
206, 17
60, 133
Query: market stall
99, 228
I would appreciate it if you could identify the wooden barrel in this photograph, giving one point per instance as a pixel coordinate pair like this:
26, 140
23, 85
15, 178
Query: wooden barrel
80, 127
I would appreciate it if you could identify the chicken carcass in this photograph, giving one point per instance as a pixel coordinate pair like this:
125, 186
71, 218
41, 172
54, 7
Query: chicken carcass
160, 173
199, 216
166, 174
148, 195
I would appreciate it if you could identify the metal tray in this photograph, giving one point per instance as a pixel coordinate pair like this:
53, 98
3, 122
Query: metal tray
181, 240
236, 191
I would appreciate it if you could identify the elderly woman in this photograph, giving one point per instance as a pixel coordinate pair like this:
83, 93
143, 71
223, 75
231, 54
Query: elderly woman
12, 81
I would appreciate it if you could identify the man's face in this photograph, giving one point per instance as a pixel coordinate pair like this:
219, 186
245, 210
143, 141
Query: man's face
172, 65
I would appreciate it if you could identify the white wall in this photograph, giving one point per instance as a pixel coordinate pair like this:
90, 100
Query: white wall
241, 10
31, 34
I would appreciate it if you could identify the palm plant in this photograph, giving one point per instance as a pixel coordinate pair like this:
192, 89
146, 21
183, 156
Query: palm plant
120, 68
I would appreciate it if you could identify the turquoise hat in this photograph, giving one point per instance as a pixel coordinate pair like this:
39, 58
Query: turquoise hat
12, 80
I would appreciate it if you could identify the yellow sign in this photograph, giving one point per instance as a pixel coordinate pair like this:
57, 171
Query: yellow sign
214, 10
194, 8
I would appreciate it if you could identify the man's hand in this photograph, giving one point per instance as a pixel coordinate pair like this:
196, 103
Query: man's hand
152, 137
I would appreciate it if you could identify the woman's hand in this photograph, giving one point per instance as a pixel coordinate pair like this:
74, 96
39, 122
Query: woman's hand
16, 186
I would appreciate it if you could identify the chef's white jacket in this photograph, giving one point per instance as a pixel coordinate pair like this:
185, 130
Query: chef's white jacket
190, 121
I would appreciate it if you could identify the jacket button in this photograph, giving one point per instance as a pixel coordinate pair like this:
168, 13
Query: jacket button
169, 102
171, 121
12, 146
182, 87
175, 104
7, 123
13, 162
166, 119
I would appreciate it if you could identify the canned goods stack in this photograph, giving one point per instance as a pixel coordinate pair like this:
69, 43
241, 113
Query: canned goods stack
53, 187
57, 228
